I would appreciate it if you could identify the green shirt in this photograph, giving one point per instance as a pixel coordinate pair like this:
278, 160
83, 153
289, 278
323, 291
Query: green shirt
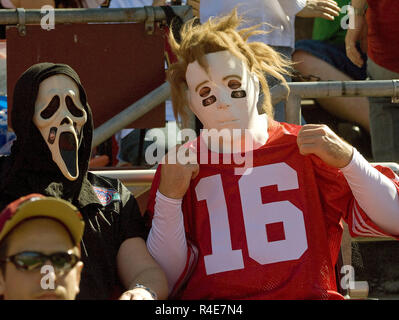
326, 30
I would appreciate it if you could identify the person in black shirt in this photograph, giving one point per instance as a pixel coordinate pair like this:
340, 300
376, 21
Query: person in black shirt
53, 124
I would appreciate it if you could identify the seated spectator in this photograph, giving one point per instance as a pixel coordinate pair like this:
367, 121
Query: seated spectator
38, 232
53, 123
219, 221
324, 58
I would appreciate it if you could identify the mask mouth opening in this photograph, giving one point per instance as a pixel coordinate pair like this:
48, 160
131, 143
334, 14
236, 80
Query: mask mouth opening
68, 151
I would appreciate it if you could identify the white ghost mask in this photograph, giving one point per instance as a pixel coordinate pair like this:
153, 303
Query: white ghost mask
59, 115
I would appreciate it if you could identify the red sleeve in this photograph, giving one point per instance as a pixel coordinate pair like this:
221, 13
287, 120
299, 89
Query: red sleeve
153, 192
338, 201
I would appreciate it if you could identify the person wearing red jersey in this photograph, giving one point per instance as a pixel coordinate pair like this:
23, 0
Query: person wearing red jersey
381, 19
267, 223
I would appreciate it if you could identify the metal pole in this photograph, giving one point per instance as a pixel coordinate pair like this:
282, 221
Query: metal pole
293, 109
325, 89
130, 177
278, 93
130, 114
101, 15
144, 177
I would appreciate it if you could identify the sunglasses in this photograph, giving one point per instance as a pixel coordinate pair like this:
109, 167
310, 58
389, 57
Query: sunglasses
32, 260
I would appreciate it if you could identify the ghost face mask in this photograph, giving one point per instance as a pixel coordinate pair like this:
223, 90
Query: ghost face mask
59, 116
226, 96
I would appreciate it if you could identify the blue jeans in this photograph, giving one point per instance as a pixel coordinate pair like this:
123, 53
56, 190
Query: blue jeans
335, 55
384, 119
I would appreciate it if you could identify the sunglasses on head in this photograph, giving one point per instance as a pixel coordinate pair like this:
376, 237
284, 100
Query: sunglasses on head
32, 260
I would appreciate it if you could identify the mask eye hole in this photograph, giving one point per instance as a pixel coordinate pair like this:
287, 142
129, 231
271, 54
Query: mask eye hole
72, 108
204, 92
238, 94
51, 109
234, 84
208, 101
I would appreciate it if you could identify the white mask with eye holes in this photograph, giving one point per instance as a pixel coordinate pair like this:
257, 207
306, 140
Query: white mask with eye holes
60, 116
226, 95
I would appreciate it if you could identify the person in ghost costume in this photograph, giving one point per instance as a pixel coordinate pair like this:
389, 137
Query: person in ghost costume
54, 127
271, 230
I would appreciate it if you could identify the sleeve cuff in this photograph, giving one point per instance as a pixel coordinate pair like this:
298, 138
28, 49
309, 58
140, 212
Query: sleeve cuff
297, 6
161, 197
356, 162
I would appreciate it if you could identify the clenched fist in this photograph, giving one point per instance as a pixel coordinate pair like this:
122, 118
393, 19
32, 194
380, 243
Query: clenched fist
320, 140
179, 168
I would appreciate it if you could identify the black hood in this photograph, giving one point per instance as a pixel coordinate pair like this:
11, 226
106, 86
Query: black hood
30, 167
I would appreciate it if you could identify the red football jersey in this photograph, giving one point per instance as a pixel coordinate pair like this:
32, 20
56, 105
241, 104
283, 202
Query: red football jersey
274, 233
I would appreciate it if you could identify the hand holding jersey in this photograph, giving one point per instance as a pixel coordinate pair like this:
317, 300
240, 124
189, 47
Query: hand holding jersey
320, 140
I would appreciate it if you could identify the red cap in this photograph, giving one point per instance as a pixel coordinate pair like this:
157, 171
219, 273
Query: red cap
37, 205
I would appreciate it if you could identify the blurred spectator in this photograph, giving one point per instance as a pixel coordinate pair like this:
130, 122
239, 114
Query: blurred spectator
383, 64
38, 231
324, 58
278, 19
47, 159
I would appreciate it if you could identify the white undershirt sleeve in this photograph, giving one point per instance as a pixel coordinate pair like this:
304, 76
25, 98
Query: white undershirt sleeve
375, 193
166, 241
292, 7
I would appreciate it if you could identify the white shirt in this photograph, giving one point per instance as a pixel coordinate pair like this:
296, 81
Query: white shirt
129, 3
279, 14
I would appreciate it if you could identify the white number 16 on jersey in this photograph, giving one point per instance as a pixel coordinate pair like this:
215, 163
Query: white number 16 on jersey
256, 216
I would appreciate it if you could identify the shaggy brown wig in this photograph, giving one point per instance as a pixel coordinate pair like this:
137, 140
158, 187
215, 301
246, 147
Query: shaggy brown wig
220, 34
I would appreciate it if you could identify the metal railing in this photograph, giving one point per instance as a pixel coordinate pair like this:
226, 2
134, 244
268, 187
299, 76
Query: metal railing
326, 89
145, 177
101, 15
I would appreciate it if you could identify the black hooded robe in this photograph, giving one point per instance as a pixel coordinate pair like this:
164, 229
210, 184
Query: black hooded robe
110, 211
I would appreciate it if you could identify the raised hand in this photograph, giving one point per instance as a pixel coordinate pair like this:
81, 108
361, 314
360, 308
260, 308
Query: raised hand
175, 175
